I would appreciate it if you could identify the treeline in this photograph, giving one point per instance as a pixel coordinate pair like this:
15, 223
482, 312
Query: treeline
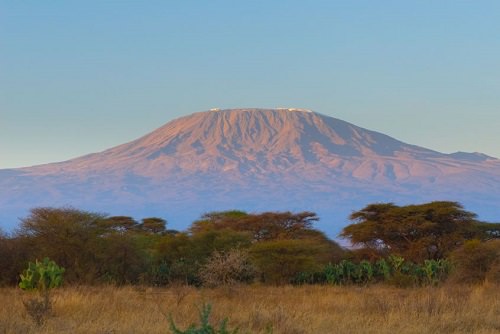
401, 245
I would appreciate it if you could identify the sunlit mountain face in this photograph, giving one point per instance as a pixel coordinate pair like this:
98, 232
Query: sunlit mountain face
254, 160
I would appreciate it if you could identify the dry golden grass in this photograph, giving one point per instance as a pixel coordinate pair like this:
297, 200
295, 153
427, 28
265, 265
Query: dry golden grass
258, 309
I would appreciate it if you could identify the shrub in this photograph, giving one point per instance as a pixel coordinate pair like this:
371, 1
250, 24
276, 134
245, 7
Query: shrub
363, 272
40, 277
158, 274
204, 327
280, 261
474, 260
347, 272
382, 269
435, 271
333, 274
226, 269
395, 271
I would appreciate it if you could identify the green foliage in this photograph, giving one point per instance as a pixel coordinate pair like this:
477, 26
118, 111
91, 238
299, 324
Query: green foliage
348, 272
216, 220
280, 261
262, 227
204, 327
185, 271
395, 270
436, 270
333, 274
402, 245
205, 243
70, 237
159, 274
120, 224
364, 272
348, 269
179, 259
382, 269
122, 258
41, 275
416, 232
396, 263
474, 260
153, 225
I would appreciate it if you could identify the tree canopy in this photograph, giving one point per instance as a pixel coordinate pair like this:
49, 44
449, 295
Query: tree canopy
263, 226
281, 247
417, 232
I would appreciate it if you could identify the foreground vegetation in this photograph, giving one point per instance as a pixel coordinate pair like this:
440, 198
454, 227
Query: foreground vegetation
409, 245
264, 309
420, 268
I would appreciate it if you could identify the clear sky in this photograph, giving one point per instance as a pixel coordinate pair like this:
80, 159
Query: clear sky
81, 76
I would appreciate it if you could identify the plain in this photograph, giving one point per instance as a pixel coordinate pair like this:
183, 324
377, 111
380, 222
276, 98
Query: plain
263, 309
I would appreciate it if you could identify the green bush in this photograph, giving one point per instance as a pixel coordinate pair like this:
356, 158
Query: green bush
436, 270
348, 272
333, 275
395, 271
204, 327
474, 260
382, 269
40, 277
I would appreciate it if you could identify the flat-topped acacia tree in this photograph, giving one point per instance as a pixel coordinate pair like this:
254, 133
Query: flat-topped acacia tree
416, 232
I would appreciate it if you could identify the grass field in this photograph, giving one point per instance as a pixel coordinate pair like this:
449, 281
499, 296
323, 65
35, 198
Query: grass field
260, 309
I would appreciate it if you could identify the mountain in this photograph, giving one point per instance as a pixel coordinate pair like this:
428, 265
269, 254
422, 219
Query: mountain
254, 159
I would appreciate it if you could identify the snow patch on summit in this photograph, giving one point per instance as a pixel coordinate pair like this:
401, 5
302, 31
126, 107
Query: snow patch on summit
294, 109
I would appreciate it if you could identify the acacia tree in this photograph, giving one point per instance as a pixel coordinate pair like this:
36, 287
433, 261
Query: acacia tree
281, 244
68, 236
280, 261
153, 225
120, 224
263, 226
416, 232
91, 246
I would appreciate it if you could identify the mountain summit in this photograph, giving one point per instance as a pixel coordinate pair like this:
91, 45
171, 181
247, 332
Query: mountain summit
254, 159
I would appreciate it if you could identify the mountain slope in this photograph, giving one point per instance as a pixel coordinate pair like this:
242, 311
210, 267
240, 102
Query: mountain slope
254, 159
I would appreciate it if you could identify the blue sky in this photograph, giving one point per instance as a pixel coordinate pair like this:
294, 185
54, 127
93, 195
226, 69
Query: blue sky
81, 76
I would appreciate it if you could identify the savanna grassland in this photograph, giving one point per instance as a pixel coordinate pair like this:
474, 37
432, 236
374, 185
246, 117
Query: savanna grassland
263, 309
429, 268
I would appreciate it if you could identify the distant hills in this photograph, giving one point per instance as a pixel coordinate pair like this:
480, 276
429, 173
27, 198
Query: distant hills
255, 160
